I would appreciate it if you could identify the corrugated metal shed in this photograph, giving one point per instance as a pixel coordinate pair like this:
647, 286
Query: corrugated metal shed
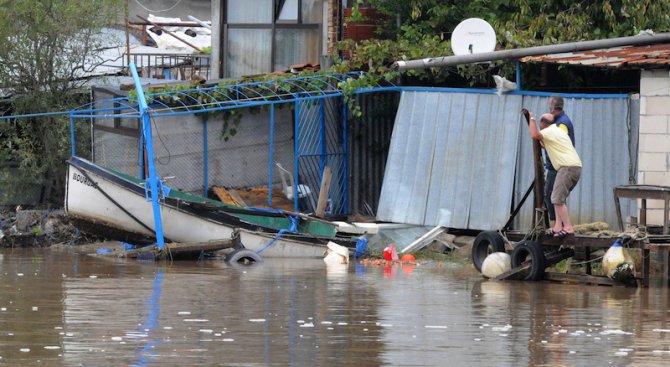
652, 56
602, 130
457, 157
452, 160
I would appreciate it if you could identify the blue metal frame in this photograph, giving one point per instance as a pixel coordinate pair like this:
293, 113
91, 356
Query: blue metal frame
204, 155
153, 181
219, 98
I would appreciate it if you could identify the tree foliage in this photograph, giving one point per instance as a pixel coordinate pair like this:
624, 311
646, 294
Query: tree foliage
421, 28
46, 48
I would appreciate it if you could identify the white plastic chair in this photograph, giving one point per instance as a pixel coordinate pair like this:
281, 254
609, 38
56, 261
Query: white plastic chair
303, 190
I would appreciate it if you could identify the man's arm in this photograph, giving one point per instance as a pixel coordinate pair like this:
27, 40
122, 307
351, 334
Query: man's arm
532, 128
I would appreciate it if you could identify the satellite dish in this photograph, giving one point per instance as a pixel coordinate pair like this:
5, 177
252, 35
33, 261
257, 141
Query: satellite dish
473, 36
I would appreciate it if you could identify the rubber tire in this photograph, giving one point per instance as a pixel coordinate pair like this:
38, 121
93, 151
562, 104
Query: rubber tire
532, 249
243, 257
486, 243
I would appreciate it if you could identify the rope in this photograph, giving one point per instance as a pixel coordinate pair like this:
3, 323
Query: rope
279, 234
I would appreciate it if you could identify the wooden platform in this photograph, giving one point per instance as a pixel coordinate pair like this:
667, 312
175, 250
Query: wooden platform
254, 196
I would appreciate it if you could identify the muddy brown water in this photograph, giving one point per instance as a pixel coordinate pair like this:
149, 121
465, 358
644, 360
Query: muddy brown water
62, 309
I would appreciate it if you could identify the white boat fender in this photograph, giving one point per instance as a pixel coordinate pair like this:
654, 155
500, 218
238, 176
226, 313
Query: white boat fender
336, 254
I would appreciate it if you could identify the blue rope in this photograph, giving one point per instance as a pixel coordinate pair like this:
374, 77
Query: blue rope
281, 232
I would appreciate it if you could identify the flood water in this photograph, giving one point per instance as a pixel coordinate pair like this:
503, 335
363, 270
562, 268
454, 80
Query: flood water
61, 309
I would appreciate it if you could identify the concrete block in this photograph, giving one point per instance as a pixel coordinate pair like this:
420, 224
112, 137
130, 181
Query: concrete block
656, 178
654, 143
654, 162
653, 124
655, 217
654, 204
657, 105
656, 85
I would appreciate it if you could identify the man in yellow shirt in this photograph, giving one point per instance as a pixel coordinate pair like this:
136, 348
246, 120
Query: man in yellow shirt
568, 166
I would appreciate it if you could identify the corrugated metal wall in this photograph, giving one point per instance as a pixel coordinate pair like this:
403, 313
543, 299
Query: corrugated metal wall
452, 160
368, 140
602, 127
456, 158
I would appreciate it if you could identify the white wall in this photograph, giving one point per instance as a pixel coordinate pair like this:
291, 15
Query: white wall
654, 146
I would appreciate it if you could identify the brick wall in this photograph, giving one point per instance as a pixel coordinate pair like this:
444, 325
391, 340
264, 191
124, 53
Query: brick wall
333, 23
654, 149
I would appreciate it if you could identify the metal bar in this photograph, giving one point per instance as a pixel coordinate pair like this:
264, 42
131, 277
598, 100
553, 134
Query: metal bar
152, 179
645, 39
271, 154
322, 123
296, 156
140, 155
205, 160
170, 33
345, 148
72, 139
518, 75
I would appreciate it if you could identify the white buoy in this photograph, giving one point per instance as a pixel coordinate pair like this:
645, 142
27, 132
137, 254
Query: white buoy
496, 264
617, 263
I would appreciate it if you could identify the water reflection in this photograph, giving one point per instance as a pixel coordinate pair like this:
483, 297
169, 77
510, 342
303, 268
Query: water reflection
62, 309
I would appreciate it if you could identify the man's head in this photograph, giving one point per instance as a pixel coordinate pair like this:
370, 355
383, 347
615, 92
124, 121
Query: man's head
546, 120
556, 105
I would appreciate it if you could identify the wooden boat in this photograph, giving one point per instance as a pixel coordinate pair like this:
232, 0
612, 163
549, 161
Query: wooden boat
110, 200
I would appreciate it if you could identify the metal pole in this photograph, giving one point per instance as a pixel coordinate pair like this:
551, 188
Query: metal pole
205, 160
271, 153
72, 139
645, 39
296, 156
345, 148
153, 180
518, 75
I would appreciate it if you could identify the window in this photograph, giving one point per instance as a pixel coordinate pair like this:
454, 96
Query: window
268, 35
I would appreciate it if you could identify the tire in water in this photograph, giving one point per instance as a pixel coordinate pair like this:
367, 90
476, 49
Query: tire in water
486, 243
530, 250
243, 257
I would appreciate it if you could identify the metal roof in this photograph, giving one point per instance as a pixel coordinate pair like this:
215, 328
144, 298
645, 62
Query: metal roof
650, 56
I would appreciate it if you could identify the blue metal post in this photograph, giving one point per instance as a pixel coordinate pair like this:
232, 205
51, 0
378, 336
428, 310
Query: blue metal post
153, 180
271, 153
518, 75
141, 175
72, 139
296, 156
345, 178
322, 124
205, 161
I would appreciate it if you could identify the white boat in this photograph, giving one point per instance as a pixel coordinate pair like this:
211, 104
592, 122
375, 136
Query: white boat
112, 201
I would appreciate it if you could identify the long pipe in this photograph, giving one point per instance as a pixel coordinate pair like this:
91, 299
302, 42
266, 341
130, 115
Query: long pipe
645, 39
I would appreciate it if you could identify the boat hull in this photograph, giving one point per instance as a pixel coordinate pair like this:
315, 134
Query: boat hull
103, 198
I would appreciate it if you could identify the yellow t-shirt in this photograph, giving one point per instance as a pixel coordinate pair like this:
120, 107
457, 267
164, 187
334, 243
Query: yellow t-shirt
559, 147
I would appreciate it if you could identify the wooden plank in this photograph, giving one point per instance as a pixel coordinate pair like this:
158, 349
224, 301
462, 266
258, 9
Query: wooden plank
582, 278
524, 266
236, 197
176, 248
323, 192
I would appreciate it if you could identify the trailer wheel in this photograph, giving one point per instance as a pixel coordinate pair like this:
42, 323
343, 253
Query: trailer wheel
243, 257
529, 251
486, 243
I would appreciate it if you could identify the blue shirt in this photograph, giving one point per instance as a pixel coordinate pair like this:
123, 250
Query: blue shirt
560, 119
